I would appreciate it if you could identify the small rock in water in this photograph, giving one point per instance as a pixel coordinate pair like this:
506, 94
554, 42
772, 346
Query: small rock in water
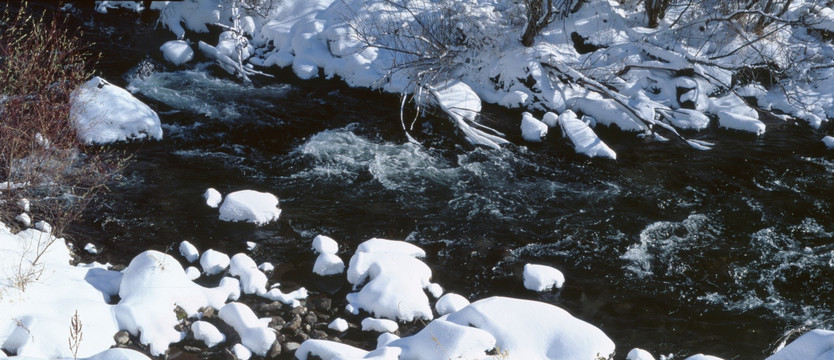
213, 197
90, 248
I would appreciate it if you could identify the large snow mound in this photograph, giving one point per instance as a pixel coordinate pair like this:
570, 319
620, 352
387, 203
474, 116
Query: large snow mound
105, 113
251, 206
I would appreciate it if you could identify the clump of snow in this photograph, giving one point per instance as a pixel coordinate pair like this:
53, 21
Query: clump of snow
207, 333
24, 219
24, 204
328, 264
325, 245
251, 245
339, 324
214, 262
550, 119
252, 280
105, 113
583, 139
542, 277
241, 352
450, 303
189, 251
532, 129
251, 206
253, 333
43, 226
734, 113
828, 141
639, 354
178, 52
213, 197
530, 329
90, 248
266, 267
393, 280
379, 325
384, 339
291, 299
192, 273
815, 344
704, 357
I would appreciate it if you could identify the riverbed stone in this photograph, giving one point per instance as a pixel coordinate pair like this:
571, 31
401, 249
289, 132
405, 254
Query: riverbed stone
122, 337
290, 347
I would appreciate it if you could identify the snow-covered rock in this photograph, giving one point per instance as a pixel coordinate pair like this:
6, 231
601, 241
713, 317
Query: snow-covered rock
213, 197
214, 262
447, 340
253, 333
639, 354
339, 324
24, 219
583, 139
325, 245
704, 357
379, 325
450, 303
532, 129
90, 248
328, 264
393, 280
189, 251
816, 344
828, 141
252, 280
542, 278
550, 119
178, 52
251, 206
328, 350
207, 333
241, 352
741, 122
105, 113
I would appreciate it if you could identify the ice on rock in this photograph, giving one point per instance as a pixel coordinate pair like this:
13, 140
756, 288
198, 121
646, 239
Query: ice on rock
816, 344
828, 141
325, 245
189, 251
252, 280
394, 280
639, 354
379, 325
213, 197
178, 52
328, 264
532, 129
253, 334
154, 284
207, 333
447, 340
582, 137
214, 262
450, 303
340, 325
532, 330
542, 278
251, 206
105, 113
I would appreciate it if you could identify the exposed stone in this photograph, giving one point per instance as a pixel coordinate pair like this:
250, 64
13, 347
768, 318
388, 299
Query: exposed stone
277, 322
318, 334
208, 312
301, 311
275, 350
310, 318
321, 304
192, 349
293, 326
271, 308
122, 337
290, 347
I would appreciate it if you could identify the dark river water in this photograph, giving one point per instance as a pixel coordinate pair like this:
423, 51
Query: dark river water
668, 248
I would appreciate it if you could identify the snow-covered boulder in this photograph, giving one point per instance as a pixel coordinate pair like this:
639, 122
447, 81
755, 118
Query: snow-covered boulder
254, 334
639, 354
214, 262
828, 141
189, 251
447, 340
379, 325
450, 303
542, 278
328, 264
252, 279
733, 113
532, 129
325, 245
339, 324
816, 344
252, 206
394, 280
583, 139
534, 330
207, 333
213, 197
104, 113
178, 52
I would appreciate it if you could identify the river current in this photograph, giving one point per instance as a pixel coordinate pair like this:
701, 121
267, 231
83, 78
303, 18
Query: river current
668, 248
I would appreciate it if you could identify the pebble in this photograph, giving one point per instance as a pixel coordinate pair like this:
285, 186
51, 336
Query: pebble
122, 337
291, 346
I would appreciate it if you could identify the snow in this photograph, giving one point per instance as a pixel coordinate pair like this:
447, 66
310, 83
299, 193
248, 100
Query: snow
542, 277
328, 264
291, 299
532, 129
251, 245
703, 357
241, 352
379, 325
177, 52
338, 324
214, 262
639, 354
447, 340
328, 350
43, 226
207, 333
252, 206
266, 267
393, 280
530, 329
213, 197
105, 113
192, 273
252, 280
741, 122
325, 245
24, 219
384, 339
550, 119
253, 333
828, 141
450, 303
815, 344
90, 248
582, 137
189, 251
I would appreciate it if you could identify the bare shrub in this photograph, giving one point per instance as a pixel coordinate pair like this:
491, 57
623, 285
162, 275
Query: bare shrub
42, 61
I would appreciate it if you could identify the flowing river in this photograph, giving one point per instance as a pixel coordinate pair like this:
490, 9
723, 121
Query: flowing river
668, 248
